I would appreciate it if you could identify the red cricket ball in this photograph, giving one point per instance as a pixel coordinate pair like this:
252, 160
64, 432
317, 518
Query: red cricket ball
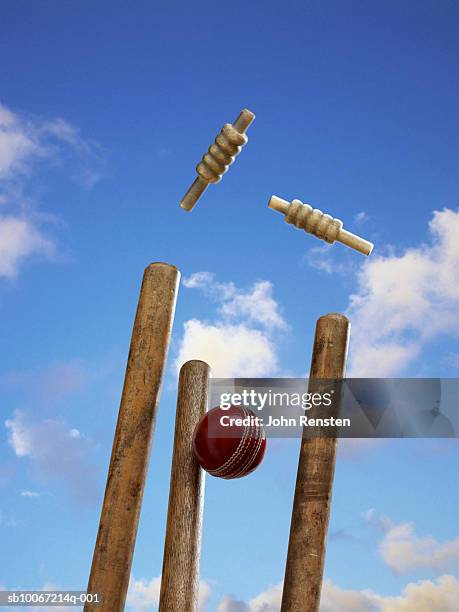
229, 443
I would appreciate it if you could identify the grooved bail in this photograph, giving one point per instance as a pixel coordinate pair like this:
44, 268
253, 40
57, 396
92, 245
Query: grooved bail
319, 224
220, 155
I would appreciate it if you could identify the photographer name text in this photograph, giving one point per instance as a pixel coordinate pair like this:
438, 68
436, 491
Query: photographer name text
281, 421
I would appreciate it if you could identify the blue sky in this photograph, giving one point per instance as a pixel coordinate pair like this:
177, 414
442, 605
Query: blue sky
105, 110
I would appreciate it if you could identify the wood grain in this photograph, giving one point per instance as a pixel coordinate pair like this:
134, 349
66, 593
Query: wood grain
182, 549
127, 471
313, 491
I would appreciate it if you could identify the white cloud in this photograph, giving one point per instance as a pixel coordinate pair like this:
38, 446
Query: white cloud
25, 140
241, 341
57, 454
16, 147
361, 217
229, 604
255, 305
404, 301
323, 258
20, 239
404, 551
30, 494
88, 171
441, 595
204, 594
25, 143
426, 596
347, 600
230, 350
20, 435
268, 601
144, 594
381, 522
206, 281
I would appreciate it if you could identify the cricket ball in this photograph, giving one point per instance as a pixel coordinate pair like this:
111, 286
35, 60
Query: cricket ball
229, 443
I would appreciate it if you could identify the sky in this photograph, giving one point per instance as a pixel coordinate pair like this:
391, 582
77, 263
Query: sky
105, 109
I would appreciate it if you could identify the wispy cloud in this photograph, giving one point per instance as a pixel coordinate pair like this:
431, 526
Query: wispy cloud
423, 596
56, 453
19, 144
361, 217
326, 259
256, 305
404, 551
88, 152
405, 301
267, 601
241, 339
20, 239
27, 144
27, 140
30, 494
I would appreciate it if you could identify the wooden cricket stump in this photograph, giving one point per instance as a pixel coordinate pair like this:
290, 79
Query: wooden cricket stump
219, 157
119, 519
317, 223
182, 548
313, 491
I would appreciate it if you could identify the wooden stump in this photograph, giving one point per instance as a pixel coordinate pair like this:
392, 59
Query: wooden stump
313, 491
115, 542
182, 549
